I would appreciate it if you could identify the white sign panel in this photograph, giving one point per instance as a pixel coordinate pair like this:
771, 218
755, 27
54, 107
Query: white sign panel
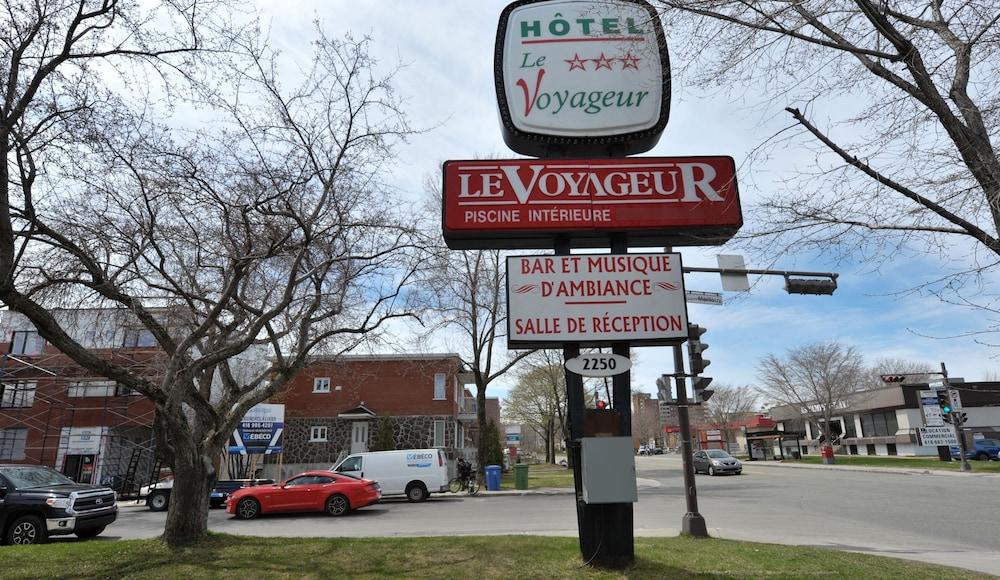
595, 300
956, 399
582, 68
932, 411
935, 436
599, 364
696, 297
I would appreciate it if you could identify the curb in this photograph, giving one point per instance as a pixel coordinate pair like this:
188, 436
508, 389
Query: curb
873, 469
641, 483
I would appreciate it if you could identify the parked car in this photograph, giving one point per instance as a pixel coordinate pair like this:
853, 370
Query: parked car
657, 451
716, 461
225, 487
158, 494
982, 449
37, 502
312, 491
415, 473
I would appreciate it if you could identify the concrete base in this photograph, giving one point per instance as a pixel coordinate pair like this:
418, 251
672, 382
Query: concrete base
693, 524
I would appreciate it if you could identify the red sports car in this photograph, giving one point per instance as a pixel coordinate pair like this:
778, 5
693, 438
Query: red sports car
334, 493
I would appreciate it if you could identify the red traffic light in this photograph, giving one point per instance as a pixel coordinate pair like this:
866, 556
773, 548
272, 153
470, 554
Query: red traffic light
601, 405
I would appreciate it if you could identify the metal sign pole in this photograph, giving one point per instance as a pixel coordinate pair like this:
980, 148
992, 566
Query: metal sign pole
956, 422
693, 523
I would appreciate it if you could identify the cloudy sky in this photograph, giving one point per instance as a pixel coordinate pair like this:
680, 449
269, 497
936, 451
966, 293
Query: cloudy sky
446, 49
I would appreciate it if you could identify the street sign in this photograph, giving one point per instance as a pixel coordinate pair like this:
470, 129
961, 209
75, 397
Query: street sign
713, 298
931, 409
956, 399
733, 282
599, 364
936, 384
935, 436
589, 77
595, 300
528, 203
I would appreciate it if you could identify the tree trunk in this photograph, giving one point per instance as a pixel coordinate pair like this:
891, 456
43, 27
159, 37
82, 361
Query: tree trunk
481, 420
194, 475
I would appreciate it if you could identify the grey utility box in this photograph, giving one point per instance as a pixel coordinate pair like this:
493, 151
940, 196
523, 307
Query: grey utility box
608, 465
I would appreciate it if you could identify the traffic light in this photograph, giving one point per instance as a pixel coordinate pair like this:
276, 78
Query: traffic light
960, 418
810, 286
944, 401
893, 378
663, 388
701, 391
695, 348
601, 405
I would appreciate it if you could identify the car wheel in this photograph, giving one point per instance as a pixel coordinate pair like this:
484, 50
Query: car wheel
740, 472
981, 456
89, 533
711, 471
248, 508
26, 530
158, 501
337, 505
416, 492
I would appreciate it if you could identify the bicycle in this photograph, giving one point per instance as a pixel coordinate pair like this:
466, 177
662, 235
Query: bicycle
470, 484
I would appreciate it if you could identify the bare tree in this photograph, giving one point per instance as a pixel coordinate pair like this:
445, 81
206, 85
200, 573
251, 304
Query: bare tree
728, 405
466, 293
539, 401
818, 380
645, 419
240, 248
900, 102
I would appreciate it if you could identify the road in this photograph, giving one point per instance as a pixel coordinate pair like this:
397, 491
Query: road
934, 518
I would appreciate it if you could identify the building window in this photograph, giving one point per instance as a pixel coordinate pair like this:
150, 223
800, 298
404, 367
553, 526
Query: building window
93, 389
321, 385
27, 342
438, 434
870, 449
17, 395
890, 448
317, 434
879, 424
135, 337
439, 392
12, 444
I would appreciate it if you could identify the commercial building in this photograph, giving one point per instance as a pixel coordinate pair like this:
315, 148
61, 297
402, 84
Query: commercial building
884, 421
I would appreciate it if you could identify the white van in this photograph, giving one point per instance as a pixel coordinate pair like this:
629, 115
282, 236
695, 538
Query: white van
413, 472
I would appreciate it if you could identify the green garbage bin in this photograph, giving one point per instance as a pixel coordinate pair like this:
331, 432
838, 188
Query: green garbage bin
521, 476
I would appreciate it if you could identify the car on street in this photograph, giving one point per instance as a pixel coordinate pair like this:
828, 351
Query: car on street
982, 449
415, 473
716, 461
37, 502
311, 491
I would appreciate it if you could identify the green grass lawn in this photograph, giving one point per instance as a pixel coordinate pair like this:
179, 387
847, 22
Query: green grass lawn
541, 475
907, 462
443, 557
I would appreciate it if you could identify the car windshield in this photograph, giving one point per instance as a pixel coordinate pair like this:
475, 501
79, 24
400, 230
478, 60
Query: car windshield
990, 443
28, 477
718, 454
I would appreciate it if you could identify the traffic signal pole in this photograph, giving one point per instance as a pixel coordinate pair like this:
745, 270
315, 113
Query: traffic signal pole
692, 523
956, 422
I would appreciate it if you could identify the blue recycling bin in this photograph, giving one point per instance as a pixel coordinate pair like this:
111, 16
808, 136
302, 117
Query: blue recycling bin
493, 477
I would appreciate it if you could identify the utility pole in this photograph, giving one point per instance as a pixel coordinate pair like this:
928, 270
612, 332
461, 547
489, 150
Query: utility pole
692, 523
956, 422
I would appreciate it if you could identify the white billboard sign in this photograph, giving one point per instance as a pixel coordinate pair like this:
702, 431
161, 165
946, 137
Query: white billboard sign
935, 436
595, 300
932, 411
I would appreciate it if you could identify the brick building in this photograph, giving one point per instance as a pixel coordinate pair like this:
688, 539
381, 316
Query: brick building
334, 407
55, 413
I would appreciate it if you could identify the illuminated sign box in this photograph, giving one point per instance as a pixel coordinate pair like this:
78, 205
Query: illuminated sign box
651, 201
587, 78
595, 300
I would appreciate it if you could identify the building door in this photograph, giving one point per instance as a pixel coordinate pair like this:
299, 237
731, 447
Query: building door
79, 468
359, 437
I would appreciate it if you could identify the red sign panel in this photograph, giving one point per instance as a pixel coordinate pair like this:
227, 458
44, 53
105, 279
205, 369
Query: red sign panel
652, 201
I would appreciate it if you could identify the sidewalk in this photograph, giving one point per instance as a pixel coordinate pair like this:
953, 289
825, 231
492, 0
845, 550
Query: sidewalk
871, 469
